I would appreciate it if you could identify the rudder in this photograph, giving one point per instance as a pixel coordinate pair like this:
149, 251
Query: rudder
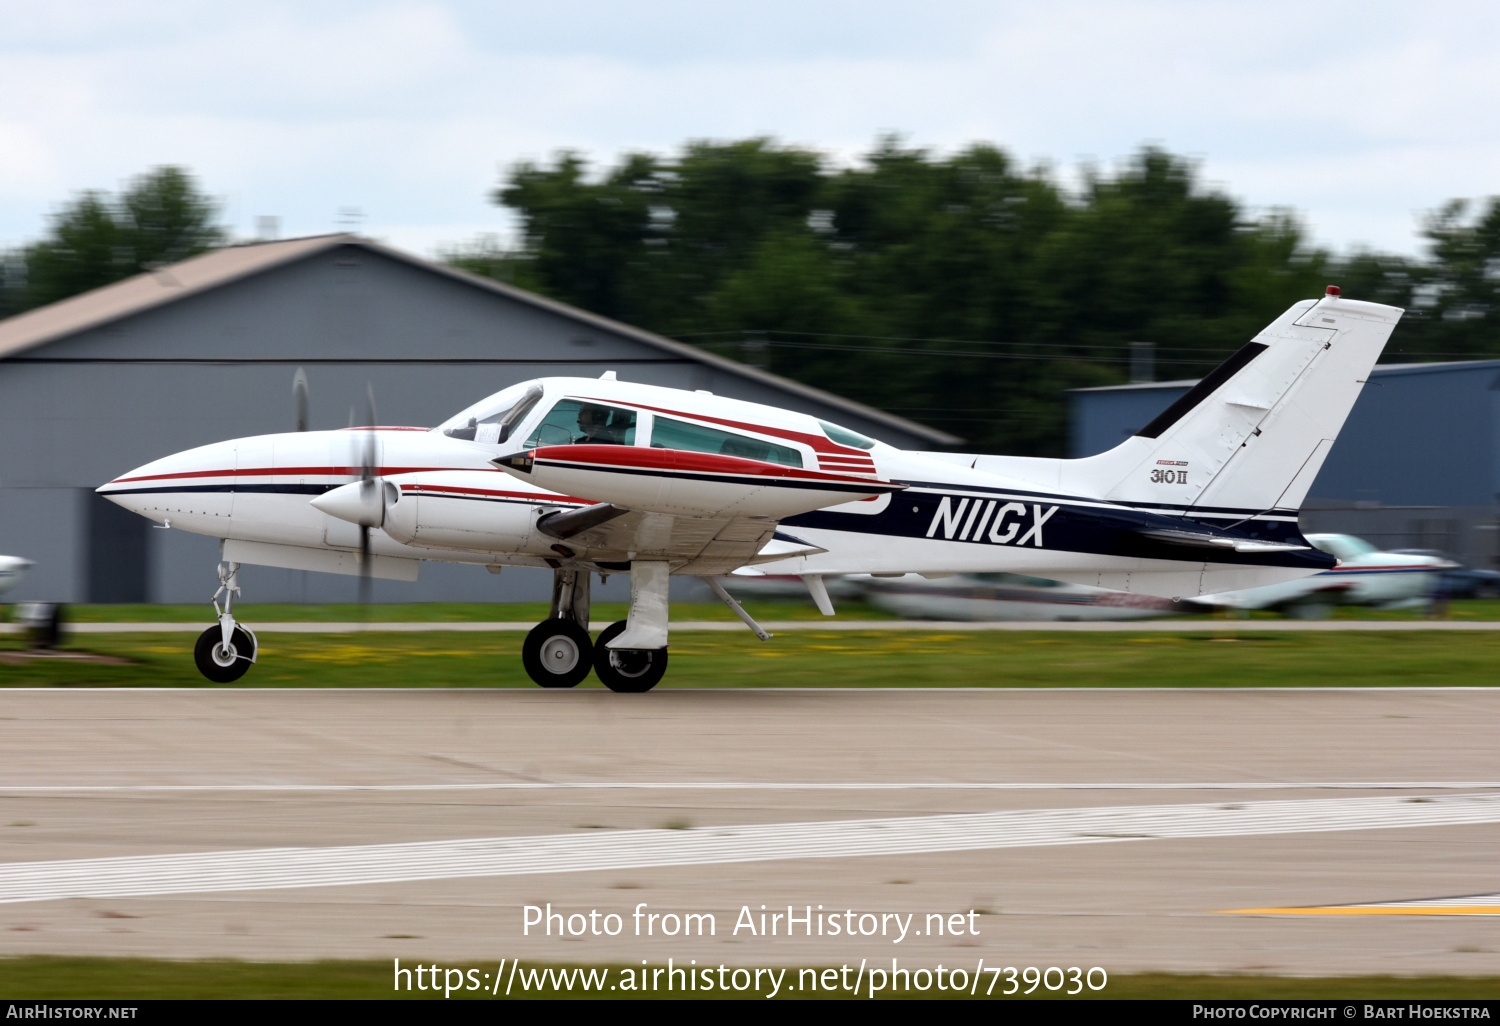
1254, 432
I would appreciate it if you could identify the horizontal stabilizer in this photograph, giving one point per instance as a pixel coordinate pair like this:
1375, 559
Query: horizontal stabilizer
1203, 539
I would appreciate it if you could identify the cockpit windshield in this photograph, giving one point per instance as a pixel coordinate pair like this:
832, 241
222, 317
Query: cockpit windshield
492, 420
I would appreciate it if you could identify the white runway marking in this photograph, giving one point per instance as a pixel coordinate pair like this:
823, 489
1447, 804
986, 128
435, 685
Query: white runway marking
772, 785
274, 868
781, 626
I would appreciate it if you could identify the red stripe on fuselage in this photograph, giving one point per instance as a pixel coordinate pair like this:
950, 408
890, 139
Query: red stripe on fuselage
300, 472
679, 459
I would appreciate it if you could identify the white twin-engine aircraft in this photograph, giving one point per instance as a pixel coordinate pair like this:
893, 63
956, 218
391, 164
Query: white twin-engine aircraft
602, 476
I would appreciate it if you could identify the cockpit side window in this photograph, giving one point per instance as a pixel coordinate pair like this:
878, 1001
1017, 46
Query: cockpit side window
575, 422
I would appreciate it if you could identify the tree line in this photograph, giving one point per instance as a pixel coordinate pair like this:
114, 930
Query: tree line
963, 291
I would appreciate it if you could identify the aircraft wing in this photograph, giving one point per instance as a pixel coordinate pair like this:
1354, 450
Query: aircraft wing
705, 513
704, 546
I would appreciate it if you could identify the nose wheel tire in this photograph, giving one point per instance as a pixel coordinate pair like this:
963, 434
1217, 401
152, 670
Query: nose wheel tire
219, 664
630, 670
557, 654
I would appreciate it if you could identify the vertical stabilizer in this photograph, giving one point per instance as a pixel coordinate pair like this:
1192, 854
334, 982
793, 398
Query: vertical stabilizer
1254, 433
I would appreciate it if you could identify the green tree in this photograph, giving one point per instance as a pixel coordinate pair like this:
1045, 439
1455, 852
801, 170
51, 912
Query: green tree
1456, 297
583, 239
962, 290
97, 239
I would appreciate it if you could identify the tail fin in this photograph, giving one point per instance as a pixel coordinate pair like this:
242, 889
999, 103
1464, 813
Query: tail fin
1254, 433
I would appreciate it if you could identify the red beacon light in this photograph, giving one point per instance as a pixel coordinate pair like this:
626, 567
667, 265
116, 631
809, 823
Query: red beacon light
1332, 290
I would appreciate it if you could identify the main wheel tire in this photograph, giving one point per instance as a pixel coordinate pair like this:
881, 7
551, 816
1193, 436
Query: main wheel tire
628, 670
222, 665
557, 654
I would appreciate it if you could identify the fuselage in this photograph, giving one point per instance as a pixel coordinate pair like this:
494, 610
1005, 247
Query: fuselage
696, 460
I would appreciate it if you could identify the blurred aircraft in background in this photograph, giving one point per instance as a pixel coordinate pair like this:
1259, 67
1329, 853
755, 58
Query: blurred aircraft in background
608, 477
1460, 582
1007, 597
12, 569
1364, 576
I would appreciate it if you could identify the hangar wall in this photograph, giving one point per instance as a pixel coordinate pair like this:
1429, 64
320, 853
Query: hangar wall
219, 363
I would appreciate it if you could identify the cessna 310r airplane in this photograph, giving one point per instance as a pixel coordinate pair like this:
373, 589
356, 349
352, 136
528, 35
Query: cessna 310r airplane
603, 476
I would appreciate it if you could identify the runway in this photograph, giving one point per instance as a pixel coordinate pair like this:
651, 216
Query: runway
1298, 831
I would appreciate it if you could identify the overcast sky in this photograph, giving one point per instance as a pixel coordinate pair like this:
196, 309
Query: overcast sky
1359, 116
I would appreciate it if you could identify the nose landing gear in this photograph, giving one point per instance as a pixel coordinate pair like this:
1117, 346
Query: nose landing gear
225, 651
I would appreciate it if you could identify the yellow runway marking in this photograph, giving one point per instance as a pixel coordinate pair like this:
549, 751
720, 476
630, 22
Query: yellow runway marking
1371, 910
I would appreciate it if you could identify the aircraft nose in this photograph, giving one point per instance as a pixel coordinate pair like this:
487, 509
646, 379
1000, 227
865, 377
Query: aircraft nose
141, 490
129, 489
123, 482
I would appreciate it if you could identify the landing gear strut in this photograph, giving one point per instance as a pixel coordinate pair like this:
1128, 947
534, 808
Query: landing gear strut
631, 656
558, 653
225, 651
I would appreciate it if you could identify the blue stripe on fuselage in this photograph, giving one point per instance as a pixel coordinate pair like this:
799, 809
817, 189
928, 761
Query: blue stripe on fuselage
1116, 531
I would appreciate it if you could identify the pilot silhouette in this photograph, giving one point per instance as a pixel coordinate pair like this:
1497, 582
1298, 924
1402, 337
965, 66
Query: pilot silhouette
594, 422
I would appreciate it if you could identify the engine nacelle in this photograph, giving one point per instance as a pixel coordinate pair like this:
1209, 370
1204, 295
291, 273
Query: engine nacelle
453, 515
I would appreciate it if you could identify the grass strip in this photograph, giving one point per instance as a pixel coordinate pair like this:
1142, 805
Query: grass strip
45, 977
522, 612
810, 658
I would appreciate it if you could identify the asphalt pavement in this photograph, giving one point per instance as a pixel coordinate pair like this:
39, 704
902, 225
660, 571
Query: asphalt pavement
1188, 830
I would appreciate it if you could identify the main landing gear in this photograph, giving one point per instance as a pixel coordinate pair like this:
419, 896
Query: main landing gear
558, 653
225, 651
